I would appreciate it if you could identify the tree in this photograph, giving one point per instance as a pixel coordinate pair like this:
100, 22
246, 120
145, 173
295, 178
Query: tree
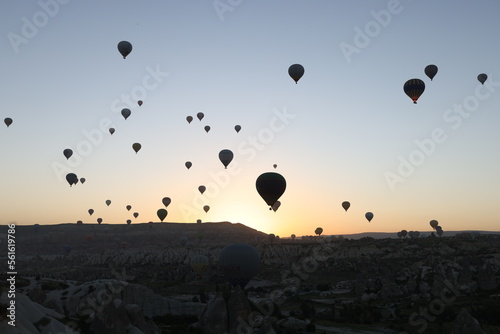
318, 231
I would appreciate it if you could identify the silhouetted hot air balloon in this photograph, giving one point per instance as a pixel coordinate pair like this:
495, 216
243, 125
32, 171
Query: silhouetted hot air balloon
7, 121
108, 202
296, 71
99, 220
188, 164
129, 222
200, 115
91, 211
199, 263
206, 208
207, 128
239, 263
198, 221
189, 119
414, 88
111, 130
82, 180
124, 48
136, 214
433, 223
270, 187
136, 147
71, 178
162, 213
237, 128
346, 205
139, 103
202, 189
68, 153
166, 201
126, 113
276, 205
482, 78
431, 71
369, 216
226, 156
275, 166
128, 207
404, 233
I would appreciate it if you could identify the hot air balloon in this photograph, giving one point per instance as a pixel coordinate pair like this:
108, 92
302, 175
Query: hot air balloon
124, 48
99, 220
136, 147
111, 130
166, 201
226, 156
128, 207
108, 202
139, 103
482, 78
439, 230
188, 164
71, 178
369, 216
404, 233
239, 263
206, 208
237, 128
433, 223
270, 187
68, 153
199, 263
200, 115
276, 205
275, 166
346, 205
79, 222
91, 211
296, 71
136, 214
162, 213
129, 222
198, 221
202, 189
189, 119
207, 128
82, 180
414, 88
7, 121
126, 113
431, 71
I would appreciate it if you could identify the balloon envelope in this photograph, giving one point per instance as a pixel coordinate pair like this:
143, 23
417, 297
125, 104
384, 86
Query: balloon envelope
126, 113
200, 115
111, 130
226, 156
206, 208
346, 205
82, 180
7, 121
136, 147
128, 207
239, 263
237, 128
68, 153
482, 78
108, 202
136, 214
71, 178
207, 128
414, 88
369, 216
202, 189
431, 71
270, 187
91, 211
99, 220
139, 103
275, 166
433, 223
188, 164
162, 213
189, 119
124, 48
296, 71
199, 263
166, 201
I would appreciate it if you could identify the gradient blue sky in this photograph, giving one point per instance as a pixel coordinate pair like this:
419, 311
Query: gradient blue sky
348, 126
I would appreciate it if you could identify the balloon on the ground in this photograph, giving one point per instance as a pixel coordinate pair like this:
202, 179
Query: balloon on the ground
124, 48
431, 71
162, 213
199, 263
346, 205
414, 89
270, 187
296, 71
482, 78
136, 147
239, 263
126, 113
369, 216
226, 156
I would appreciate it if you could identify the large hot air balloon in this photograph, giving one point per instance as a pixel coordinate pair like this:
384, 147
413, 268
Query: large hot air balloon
237, 128
162, 213
68, 153
189, 119
226, 156
207, 128
206, 208
431, 71
91, 211
128, 207
433, 223
136, 147
414, 88
202, 189
7, 121
166, 201
369, 216
296, 71
71, 178
200, 115
126, 113
199, 263
111, 130
346, 205
139, 103
270, 187
239, 263
188, 164
108, 202
124, 48
482, 78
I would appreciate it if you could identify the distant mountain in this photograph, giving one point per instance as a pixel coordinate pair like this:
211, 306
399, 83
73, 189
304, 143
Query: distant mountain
384, 235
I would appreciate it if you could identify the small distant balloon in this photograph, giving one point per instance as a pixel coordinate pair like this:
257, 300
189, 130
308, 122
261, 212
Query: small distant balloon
7, 121
431, 71
128, 207
482, 78
166, 201
200, 115
91, 211
136, 214
139, 103
124, 48
129, 222
68, 153
414, 88
369, 216
71, 178
206, 208
108, 202
82, 180
207, 128
189, 119
434, 223
296, 71
237, 128
346, 205
198, 221
188, 164
136, 147
202, 189
162, 213
275, 166
99, 220
226, 156
111, 130
126, 113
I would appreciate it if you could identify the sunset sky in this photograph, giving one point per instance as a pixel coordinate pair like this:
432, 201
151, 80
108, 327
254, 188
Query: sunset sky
345, 132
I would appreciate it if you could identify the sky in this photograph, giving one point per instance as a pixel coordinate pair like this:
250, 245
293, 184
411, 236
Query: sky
345, 132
